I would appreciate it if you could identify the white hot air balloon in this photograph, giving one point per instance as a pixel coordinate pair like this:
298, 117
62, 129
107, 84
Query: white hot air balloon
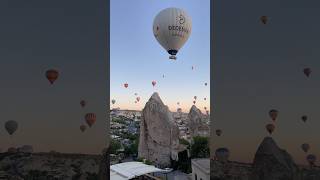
172, 28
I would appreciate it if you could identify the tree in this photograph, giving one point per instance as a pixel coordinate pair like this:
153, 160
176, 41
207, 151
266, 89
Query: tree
114, 146
200, 147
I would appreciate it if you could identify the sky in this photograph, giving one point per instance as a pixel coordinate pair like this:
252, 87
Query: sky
137, 58
259, 67
69, 36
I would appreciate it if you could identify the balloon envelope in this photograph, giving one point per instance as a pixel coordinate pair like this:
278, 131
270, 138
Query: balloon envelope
172, 28
222, 154
90, 118
11, 126
305, 147
52, 75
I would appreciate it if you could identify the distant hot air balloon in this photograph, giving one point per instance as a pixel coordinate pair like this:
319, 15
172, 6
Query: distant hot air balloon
11, 126
205, 84
305, 147
52, 75
311, 158
205, 98
264, 19
172, 28
195, 97
304, 118
307, 71
138, 99
113, 101
222, 154
194, 102
90, 118
192, 67
218, 132
205, 108
83, 103
126, 85
135, 94
273, 114
163, 76
135, 101
178, 103
154, 83
83, 127
270, 128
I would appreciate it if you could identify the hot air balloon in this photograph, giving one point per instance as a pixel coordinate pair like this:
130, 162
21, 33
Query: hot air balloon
304, 118
11, 126
83, 103
138, 99
195, 97
90, 118
273, 114
205, 108
311, 158
305, 147
307, 71
52, 75
178, 103
135, 94
264, 19
163, 76
270, 128
113, 101
192, 67
204, 98
126, 85
194, 102
172, 28
218, 132
154, 83
222, 154
205, 84
83, 127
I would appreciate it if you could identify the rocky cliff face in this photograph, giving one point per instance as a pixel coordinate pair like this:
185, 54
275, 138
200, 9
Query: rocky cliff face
273, 163
48, 166
196, 124
158, 133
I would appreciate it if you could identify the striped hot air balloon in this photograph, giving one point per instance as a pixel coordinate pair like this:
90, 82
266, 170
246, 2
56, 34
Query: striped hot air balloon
90, 119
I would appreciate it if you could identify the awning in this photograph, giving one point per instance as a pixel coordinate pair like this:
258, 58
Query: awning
128, 170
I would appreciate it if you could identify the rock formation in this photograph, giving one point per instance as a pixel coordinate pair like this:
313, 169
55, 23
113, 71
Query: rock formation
196, 124
159, 134
273, 163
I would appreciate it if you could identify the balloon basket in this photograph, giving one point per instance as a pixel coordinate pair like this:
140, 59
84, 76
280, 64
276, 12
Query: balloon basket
173, 57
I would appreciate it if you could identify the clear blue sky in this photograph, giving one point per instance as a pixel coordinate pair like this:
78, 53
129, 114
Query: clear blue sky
138, 59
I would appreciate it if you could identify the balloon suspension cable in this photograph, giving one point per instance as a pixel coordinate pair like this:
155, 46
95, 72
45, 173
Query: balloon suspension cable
173, 57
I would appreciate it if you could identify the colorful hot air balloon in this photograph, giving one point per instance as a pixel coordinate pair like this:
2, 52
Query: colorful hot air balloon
222, 154
90, 119
304, 118
52, 75
218, 132
83, 103
273, 114
11, 126
311, 158
154, 83
113, 101
305, 147
172, 28
83, 127
270, 128
126, 85
264, 19
307, 71
138, 99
